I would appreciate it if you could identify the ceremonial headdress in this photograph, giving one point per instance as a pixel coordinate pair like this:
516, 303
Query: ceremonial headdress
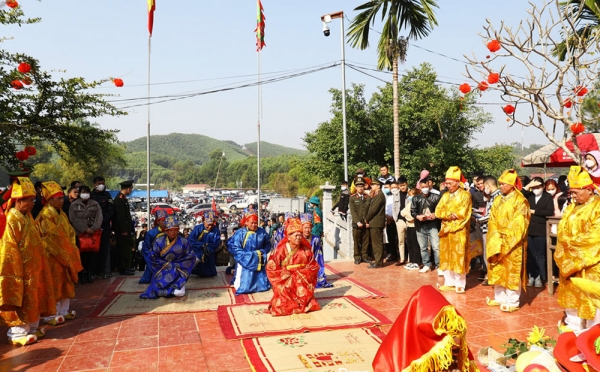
51, 189
21, 188
455, 174
251, 216
293, 225
209, 217
579, 178
511, 177
306, 218
570, 345
160, 213
171, 222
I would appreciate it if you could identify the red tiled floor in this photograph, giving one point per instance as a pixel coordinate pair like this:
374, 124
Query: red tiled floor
135, 360
84, 362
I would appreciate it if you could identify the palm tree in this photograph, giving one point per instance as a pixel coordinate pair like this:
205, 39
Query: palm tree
585, 15
415, 15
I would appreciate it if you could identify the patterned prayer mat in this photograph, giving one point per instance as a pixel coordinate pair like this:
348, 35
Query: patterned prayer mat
130, 284
253, 320
341, 287
193, 301
341, 350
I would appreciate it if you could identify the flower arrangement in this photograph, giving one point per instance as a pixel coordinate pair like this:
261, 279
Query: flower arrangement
536, 338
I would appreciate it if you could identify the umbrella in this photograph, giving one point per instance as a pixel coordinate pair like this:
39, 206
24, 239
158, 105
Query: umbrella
551, 156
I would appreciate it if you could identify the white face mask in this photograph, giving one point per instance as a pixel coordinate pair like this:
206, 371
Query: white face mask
425, 190
100, 187
551, 192
84, 196
395, 191
486, 191
589, 163
222, 238
537, 192
344, 188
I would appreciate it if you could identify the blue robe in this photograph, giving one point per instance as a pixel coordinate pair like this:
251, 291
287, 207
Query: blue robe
205, 245
250, 252
277, 236
171, 265
146, 247
317, 222
317, 249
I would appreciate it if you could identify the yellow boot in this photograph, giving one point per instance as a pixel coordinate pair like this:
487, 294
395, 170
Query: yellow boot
25, 340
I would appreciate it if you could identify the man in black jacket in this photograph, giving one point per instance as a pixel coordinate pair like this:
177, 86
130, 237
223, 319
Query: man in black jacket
359, 206
342, 204
102, 197
542, 206
123, 228
428, 227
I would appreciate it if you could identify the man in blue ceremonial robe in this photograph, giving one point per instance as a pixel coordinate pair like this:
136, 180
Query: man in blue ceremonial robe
250, 246
205, 240
159, 222
317, 249
171, 260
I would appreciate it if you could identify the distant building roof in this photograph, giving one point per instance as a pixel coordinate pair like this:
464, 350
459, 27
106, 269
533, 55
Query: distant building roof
196, 185
542, 175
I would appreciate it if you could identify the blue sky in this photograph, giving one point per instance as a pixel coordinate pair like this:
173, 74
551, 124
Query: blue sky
202, 45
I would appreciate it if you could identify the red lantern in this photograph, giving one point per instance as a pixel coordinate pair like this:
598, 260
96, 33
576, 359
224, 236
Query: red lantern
464, 88
493, 46
482, 86
16, 84
577, 128
22, 155
509, 109
493, 78
24, 67
580, 90
118, 82
26, 80
30, 150
568, 103
12, 3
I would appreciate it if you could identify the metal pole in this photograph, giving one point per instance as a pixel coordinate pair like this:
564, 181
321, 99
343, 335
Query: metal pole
258, 143
148, 139
344, 100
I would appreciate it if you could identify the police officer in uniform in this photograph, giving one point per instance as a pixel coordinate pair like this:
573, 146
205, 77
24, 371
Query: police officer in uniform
123, 229
103, 198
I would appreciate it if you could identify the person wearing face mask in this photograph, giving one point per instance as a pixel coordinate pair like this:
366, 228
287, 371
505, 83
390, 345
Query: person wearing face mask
591, 165
491, 192
398, 202
103, 198
86, 217
542, 206
62, 253
412, 244
427, 225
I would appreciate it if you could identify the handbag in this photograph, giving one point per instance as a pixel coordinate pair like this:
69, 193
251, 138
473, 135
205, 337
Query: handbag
90, 242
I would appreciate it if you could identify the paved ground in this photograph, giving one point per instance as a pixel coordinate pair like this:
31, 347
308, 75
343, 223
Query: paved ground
194, 342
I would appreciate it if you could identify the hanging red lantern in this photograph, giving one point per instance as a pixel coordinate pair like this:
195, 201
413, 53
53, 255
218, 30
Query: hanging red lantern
482, 86
568, 103
12, 4
118, 82
22, 155
16, 84
580, 90
493, 78
24, 67
464, 88
577, 128
26, 80
30, 150
493, 46
509, 109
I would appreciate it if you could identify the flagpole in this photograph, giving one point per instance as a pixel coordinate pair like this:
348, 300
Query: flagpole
258, 125
148, 135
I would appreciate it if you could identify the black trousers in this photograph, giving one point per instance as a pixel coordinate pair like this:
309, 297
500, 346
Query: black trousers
124, 252
536, 257
376, 235
412, 246
391, 247
361, 242
102, 259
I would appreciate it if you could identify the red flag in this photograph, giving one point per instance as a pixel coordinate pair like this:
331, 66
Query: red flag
151, 8
260, 27
214, 204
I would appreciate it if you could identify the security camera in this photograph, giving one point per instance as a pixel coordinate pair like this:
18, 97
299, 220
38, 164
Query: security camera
326, 31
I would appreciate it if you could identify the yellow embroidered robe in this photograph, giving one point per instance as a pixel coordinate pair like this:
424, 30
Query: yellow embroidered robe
455, 234
578, 250
25, 277
62, 253
506, 247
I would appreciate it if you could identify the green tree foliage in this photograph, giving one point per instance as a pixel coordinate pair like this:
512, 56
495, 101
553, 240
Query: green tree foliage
436, 127
48, 111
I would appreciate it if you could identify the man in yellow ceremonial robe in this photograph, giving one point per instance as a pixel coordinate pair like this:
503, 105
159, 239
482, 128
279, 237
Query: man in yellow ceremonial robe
61, 250
25, 277
454, 209
506, 249
577, 252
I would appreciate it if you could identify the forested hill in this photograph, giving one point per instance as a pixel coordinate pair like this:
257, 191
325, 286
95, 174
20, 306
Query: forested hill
196, 147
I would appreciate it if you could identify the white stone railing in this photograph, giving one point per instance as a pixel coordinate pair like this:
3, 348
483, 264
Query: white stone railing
337, 233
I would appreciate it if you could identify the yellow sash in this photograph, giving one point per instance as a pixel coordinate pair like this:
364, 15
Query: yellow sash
169, 245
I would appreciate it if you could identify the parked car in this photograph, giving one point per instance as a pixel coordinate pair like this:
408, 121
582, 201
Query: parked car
163, 206
197, 208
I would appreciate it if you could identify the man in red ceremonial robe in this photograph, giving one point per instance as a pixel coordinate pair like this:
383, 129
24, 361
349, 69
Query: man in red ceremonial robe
292, 271
428, 335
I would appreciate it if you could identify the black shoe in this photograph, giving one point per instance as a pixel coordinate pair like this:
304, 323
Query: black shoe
125, 273
374, 266
357, 261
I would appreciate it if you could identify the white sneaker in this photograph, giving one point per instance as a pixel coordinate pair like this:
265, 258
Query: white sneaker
440, 272
538, 282
531, 282
425, 269
179, 292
